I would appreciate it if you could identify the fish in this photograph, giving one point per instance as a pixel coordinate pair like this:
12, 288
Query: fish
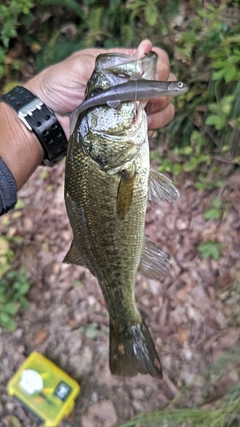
133, 90
108, 183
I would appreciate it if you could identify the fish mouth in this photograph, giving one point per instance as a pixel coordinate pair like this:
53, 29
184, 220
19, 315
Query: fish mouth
113, 68
106, 61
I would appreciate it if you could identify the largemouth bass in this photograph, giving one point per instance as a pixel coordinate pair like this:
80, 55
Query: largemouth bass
107, 186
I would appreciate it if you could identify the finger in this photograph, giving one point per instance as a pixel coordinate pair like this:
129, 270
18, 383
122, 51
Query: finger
143, 49
163, 65
162, 118
172, 78
156, 105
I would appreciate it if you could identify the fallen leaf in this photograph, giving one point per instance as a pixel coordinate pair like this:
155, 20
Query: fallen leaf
40, 337
182, 336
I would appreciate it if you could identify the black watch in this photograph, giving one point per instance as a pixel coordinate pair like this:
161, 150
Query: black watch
39, 119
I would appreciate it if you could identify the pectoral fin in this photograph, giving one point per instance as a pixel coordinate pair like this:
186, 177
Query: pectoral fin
73, 256
154, 263
113, 104
161, 188
125, 193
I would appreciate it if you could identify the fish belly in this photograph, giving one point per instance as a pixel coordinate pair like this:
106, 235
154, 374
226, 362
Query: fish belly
109, 243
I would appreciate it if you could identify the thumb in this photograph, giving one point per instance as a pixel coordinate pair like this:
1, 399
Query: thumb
143, 49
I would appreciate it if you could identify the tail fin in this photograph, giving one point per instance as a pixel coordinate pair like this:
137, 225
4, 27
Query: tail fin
134, 353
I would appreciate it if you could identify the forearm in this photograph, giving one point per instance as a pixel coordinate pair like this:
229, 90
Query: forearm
19, 148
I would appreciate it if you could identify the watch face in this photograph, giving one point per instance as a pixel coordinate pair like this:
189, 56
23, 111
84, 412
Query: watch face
62, 391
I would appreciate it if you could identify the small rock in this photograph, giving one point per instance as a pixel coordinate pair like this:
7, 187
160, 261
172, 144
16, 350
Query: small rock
138, 406
138, 393
82, 363
181, 225
91, 300
94, 397
102, 414
10, 406
154, 286
18, 334
229, 339
1, 410
187, 352
170, 222
21, 349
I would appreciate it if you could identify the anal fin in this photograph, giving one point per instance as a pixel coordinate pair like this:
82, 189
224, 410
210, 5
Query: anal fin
154, 263
73, 256
161, 188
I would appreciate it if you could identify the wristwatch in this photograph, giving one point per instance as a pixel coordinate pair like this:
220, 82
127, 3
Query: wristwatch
40, 120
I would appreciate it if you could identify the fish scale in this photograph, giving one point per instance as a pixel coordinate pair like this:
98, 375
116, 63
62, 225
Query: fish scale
107, 185
116, 260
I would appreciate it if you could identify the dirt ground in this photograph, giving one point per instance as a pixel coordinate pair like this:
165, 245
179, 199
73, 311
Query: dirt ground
194, 314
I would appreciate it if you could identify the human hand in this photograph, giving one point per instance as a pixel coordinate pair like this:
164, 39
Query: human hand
62, 86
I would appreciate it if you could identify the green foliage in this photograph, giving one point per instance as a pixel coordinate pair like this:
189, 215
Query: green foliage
222, 111
92, 331
190, 417
6, 255
222, 413
205, 52
215, 211
209, 57
193, 158
94, 24
209, 249
147, 8
77, 283
12, 14
204, 183
14, 286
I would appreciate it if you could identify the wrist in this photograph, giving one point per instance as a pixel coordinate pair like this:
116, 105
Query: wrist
34, 85
19, 148
41, 121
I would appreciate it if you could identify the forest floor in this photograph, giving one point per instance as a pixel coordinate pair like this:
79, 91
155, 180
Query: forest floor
193, 315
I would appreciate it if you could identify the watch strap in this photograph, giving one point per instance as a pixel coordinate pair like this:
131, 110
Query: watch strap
40, 120
8, 189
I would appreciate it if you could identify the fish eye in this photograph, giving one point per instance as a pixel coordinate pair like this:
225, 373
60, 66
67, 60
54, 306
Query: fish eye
180, 85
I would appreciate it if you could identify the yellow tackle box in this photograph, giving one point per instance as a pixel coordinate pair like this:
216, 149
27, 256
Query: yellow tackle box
44, 388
